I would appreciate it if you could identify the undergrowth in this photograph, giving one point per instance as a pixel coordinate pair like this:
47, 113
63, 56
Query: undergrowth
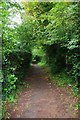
13, 98
63, 80
42, 63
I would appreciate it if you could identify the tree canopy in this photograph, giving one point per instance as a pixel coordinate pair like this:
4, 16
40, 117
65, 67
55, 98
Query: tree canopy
47, 29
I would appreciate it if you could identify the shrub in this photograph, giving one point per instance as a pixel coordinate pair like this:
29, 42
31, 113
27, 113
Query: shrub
15, 66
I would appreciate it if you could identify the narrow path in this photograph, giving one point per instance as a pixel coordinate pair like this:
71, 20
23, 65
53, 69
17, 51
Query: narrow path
43, 100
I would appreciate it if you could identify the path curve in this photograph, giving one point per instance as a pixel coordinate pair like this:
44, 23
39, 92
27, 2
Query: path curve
43, 100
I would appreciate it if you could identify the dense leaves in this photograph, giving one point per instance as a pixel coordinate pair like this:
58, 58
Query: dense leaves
15, 67
49, 30
58, 34
64, 39
16, 56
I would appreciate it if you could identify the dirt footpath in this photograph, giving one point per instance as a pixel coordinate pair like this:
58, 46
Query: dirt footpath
43, 100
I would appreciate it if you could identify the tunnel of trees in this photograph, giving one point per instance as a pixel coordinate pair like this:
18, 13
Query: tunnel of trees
48, 32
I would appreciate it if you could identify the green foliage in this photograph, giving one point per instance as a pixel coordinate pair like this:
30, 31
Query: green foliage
17, 64
56, 57
42, 63
16, 56
9, 86
48, 30
56, 29
75, 90
62, 39
61, 79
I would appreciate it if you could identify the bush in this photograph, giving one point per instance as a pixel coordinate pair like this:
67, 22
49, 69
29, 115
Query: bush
56, 57
15, 66
62, 58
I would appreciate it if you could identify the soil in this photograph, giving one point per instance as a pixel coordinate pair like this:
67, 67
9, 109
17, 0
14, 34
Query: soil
43, 99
